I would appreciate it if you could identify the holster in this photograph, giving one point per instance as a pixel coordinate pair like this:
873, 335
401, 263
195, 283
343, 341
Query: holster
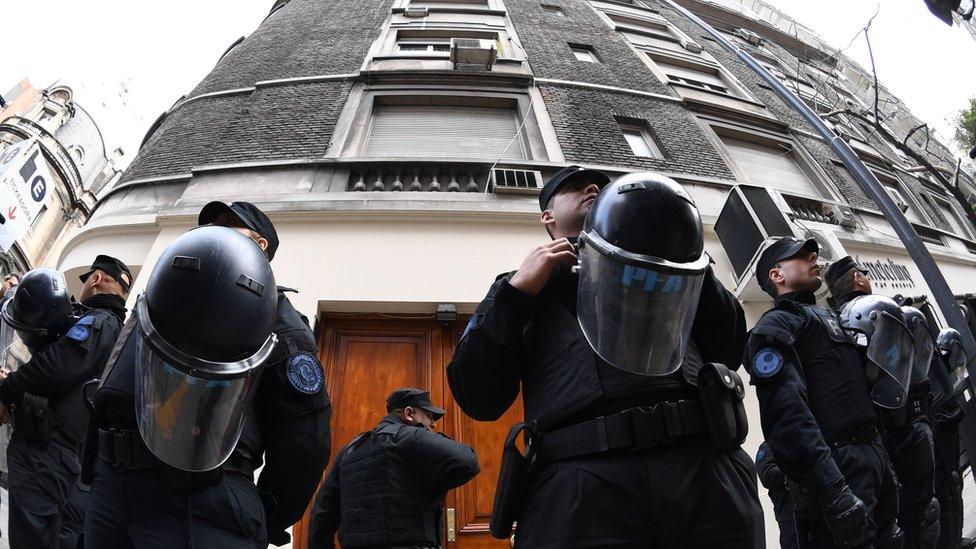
722, 392
510, 492
35, 419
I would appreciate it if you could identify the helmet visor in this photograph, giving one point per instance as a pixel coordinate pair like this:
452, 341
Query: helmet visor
892, 349
956, 363
190, 423
13, 352
924, 349
637, 319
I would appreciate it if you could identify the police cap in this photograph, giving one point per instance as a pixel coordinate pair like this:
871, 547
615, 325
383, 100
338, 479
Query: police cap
784, 248
113, 268
411, 396
249, 214
838, 270
568, 175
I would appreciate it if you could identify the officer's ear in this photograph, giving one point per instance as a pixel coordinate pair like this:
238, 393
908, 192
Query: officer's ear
776, 274
548, 220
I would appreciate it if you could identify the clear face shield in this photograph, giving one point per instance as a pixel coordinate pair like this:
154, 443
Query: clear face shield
637, 319
191, 412
955, 360
924, 349
13, 352
892, 348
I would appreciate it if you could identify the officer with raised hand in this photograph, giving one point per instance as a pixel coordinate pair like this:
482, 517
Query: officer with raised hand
905, 429
387, 486
69, 346
634, 421
817, 414
293, 392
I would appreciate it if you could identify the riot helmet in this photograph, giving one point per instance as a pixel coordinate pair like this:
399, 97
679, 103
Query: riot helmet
205, 328
642, 263
878, 324
949, 344
924, 346
40, 309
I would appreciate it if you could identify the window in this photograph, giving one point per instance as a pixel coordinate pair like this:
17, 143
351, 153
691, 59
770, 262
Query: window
444, 131
770, 163
902, 204
449, 3
640, 140
957, 224
644, 33
422, 45
694, 76
584, 53
553, 10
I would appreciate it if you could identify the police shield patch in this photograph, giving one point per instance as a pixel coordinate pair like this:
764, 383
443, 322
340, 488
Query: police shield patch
767, 363
305, 373
81, 330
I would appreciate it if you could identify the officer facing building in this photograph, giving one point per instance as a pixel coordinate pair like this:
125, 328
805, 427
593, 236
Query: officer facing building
198, 393
905, 430
387, 486
817, 414
69, 346
613, 363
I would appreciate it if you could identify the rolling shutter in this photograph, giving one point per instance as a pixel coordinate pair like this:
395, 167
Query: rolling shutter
443, 131
770, 167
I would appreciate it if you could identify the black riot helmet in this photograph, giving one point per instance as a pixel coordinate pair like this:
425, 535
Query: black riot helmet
878, 325
949, 344
205, 328
642, 262
40, 309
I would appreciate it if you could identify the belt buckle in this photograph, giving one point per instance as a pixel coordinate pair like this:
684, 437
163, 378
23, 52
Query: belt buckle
644, 420
121, 450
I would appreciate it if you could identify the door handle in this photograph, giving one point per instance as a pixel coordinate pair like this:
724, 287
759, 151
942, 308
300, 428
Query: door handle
451, 524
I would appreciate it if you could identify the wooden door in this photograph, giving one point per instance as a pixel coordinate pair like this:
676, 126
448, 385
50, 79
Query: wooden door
364, 360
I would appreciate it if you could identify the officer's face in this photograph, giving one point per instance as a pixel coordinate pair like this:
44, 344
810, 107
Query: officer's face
798, 273
419, 417
568, 208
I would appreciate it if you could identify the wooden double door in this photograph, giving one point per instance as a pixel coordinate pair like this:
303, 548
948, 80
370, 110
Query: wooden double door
367, 358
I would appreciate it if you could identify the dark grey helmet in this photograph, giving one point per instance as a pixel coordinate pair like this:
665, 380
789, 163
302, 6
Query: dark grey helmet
40, 308
878, 324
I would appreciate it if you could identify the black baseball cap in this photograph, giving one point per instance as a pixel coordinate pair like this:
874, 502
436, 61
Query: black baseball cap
567, 175
838, 269
112, 267
250, 216
417, 398
784, 248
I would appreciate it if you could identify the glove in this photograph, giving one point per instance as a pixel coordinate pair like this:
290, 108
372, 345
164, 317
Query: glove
845, 514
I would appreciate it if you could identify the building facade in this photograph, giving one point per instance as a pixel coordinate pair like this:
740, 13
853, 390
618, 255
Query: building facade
49, 131
399, 146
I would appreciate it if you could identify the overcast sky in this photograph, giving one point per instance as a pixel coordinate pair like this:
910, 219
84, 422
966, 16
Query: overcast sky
129, 61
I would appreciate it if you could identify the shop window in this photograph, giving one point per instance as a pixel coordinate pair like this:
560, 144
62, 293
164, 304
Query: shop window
584, 53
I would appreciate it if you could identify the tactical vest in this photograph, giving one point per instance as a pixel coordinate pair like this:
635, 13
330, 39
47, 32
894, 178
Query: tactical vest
383, 500
837, 389
562, 375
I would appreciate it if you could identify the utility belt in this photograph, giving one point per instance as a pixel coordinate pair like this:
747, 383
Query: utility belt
865, 433
124, 449
718, 412
918, 406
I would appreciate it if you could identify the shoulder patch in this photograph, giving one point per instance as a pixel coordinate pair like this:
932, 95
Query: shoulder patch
767, 362
472, 323
81, 331
305, 373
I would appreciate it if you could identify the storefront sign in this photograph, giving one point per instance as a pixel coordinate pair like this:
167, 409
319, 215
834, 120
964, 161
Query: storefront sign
887, 274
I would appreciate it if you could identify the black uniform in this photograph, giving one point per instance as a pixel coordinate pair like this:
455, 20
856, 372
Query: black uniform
772, 477
46, 507
387, 487
817, 414
137, 501
683, 492
944, 417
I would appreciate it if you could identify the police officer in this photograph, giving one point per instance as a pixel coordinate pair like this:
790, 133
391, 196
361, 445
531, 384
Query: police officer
772, 477
387, 486
817, 414
905, 430
69, 346
293, 391
9, 281
194, 397
946, 374
623, 453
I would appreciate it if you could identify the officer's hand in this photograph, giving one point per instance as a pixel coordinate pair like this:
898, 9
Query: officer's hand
846, 516
3, 373
537, 267
4, 415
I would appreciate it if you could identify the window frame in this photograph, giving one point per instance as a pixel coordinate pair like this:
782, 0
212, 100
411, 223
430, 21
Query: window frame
587, 49
552, 9
642, 132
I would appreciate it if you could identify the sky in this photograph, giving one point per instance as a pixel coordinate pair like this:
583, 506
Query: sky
130, 61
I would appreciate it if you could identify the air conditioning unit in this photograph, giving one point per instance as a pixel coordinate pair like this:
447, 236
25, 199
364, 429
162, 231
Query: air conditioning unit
509, 181
691, 46
415, 12
749, 36
750, 220
473, 53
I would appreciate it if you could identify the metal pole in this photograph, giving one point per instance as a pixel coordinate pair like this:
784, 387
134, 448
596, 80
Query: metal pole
916, 248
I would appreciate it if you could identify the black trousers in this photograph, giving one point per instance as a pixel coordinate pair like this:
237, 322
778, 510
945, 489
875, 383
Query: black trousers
45, 509
783, 508
129, 509
867, 469
913, 458
948, 482
685, 494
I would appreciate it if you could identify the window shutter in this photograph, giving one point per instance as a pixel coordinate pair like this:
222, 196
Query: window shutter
703, 75
443, 131
770, 167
